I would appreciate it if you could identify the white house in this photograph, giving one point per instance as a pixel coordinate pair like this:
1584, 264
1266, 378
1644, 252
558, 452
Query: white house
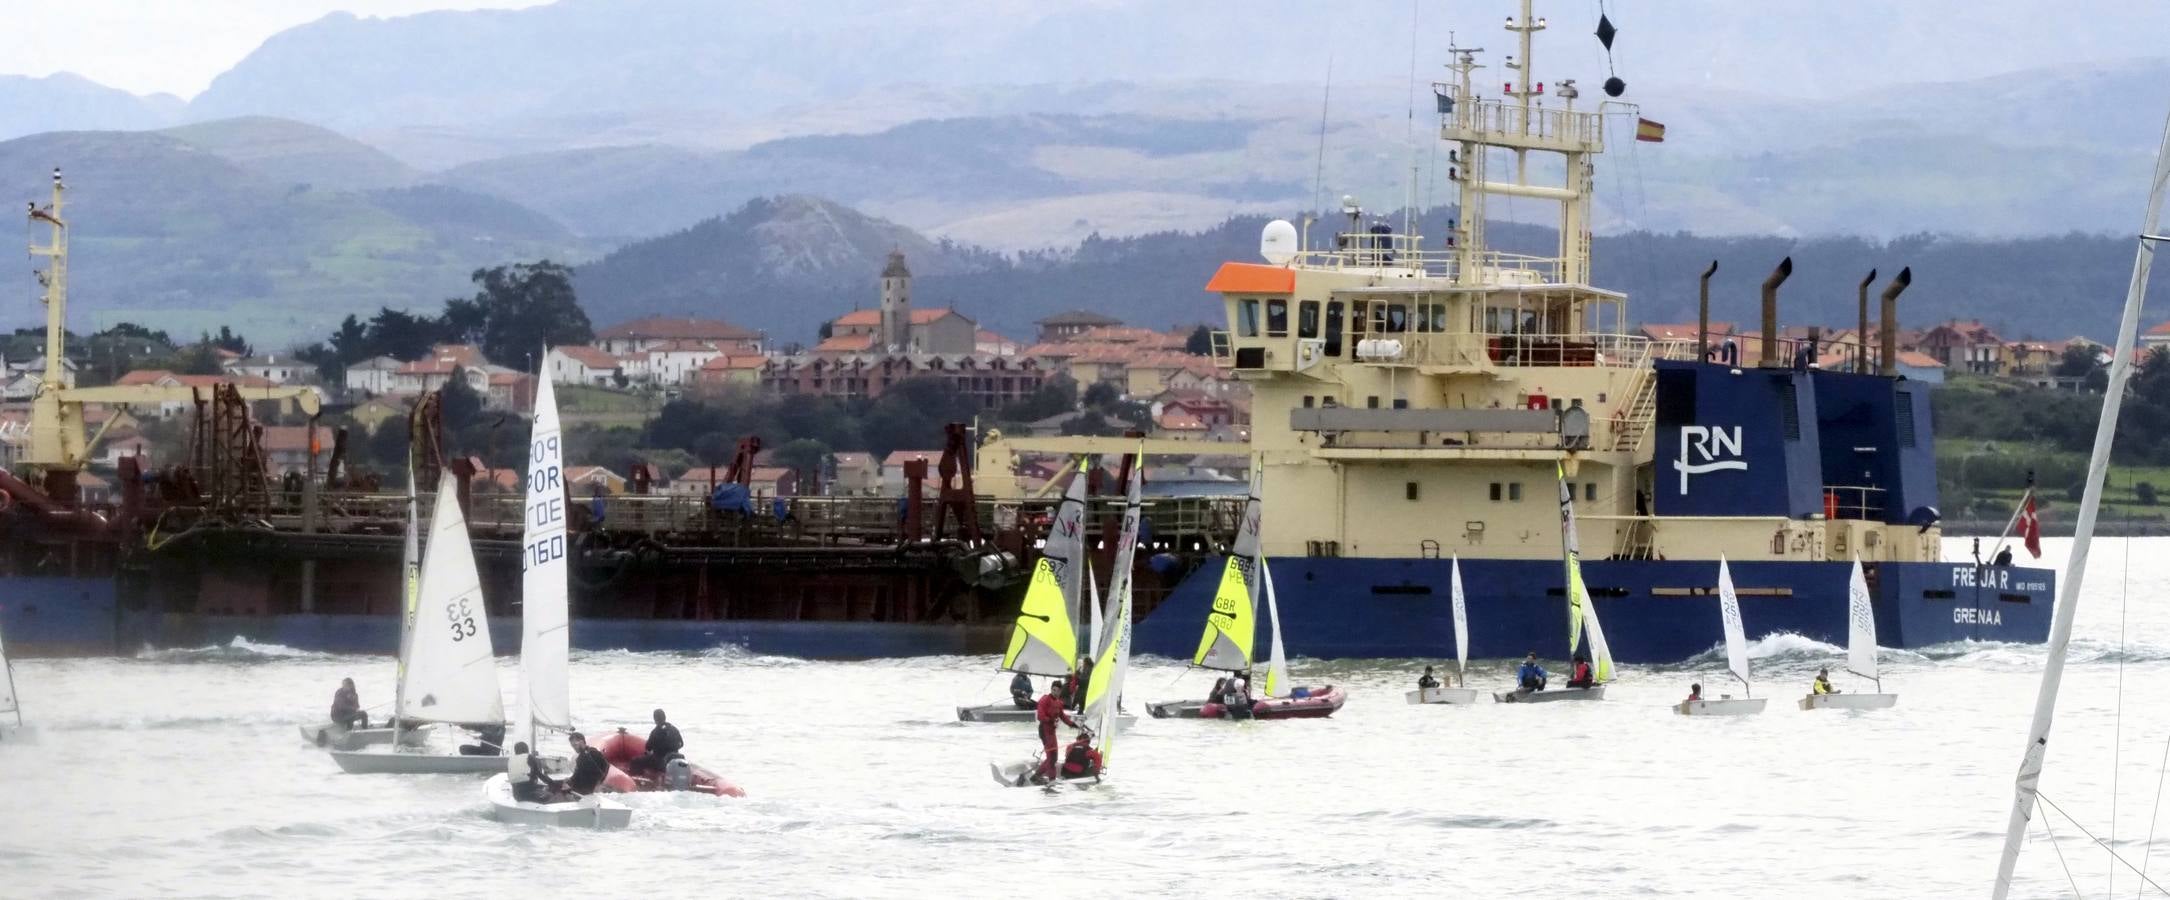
372, 376
674, 363
269, 368
581, 364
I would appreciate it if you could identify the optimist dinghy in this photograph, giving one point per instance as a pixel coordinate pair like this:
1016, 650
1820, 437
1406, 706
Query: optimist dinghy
1104, 689
334, 735
1860, 652
1457, 694
1580, 612
449, 672
545, 642
1736, 658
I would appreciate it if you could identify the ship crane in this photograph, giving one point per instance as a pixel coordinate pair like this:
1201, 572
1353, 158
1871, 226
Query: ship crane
58, 446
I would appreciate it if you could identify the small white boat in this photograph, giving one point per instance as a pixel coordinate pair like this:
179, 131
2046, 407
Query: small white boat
1555, 695
1736, 657
1860, 652
337, 736
1581, 614
1452, 695
592, 811
447, 667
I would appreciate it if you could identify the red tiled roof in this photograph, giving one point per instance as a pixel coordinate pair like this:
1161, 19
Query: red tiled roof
900, 457
1918, 360
845, 343
588, 356
140, 377
2163, 328
727, 363
671, 327
1178, 420
1079, 317
874, 316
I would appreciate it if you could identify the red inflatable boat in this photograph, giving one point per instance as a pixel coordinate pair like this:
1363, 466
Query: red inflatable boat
622, 747
1314, 703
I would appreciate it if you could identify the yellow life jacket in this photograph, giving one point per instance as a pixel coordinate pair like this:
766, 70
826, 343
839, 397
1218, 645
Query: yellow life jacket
1822, 687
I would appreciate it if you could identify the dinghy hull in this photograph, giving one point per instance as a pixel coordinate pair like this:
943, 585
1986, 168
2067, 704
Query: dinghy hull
394, 762
1019, 774
340, 737
1176, 709
18, 734
593, 811
1557, 695
1318, 704
1745, 706
994, 712
1849, 701
1442, 695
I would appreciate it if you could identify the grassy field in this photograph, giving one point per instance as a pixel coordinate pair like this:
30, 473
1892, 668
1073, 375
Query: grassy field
1975, 478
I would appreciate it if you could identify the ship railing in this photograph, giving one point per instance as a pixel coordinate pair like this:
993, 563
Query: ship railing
1571, 349
1372, 251
1498, 267
1842, 501
1501, 121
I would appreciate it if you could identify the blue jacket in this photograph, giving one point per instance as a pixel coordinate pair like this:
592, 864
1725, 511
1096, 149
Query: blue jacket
1529, 670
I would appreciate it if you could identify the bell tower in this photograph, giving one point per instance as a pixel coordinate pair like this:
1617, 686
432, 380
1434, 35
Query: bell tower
896, 333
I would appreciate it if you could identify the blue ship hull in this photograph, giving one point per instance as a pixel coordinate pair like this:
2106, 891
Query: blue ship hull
1653, 611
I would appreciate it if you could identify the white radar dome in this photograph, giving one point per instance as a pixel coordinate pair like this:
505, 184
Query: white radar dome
1277, 243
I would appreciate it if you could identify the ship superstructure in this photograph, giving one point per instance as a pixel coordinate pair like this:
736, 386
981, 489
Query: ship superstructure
1412, 396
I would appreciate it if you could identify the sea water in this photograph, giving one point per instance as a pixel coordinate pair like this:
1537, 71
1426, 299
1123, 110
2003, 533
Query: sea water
180, 774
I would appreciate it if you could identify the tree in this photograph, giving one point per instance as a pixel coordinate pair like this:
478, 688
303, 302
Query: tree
398, 334
2078, 360
1200, 342
1100, 394
805, 457
2145, 491
229, 341
194, 359
1089, 424
527, 307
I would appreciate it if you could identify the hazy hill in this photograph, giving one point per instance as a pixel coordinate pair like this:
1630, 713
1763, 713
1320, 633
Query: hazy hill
65, 101
288, 152
177, 236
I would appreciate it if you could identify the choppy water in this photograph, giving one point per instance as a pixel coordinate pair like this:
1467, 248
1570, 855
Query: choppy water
179, 774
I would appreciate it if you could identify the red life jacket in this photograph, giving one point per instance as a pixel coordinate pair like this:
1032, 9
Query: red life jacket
1582, 671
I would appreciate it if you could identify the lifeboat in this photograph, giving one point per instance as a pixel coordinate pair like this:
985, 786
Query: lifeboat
622, 747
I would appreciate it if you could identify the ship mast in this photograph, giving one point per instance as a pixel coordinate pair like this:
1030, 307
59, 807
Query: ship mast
56, 434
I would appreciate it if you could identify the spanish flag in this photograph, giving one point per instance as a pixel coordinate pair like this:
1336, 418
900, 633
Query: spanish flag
1646, 130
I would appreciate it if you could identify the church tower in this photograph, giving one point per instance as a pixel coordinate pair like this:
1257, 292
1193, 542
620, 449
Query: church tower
896, 334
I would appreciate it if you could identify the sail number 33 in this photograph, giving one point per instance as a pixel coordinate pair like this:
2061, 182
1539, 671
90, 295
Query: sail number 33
462, 619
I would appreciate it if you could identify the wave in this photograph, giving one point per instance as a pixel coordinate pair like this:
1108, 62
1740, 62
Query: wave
1775, 649
2082, 651
240, 649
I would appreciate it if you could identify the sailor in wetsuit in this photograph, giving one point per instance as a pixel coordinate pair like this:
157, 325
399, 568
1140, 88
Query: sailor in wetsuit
1236, 698
1080, 760
347, 706
589, 766
489, 741
536, 786
1048, 713
1532, 675
1581, 677
663, 743
1427, 682
1822, 684
1021, 691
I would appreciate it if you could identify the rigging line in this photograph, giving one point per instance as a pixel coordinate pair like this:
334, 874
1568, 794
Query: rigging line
2097, 841
1326, 101
2053, 845
2117, 733
2147, 849
1409, 131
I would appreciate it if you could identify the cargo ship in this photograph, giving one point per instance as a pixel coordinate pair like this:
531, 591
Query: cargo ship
1411, 401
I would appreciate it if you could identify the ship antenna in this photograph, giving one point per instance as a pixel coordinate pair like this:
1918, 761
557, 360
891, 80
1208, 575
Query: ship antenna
1318, 179
1409, 133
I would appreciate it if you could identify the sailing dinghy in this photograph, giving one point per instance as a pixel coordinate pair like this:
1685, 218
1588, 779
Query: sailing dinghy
1457, 694
545, 644
1104, 689
335, 735
1736, 658
1044, 640
1860, 652
448, 671
1580, 612
1231, 623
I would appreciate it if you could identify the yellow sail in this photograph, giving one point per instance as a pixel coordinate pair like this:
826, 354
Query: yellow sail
1579, 607
1043, 641
1226, 643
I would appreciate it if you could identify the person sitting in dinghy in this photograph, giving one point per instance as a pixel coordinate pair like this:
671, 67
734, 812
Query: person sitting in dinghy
347, 710
1236, 700
589, 766
664, 742
489, 741
537, 786
1021, 691
1427, 682
1532, 675
1822, 684
1080, 760
1581, 677
1695, 693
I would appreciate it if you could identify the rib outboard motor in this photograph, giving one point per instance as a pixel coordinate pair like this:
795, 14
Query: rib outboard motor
678, 775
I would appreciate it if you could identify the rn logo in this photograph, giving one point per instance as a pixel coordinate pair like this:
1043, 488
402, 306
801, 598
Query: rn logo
1706, 449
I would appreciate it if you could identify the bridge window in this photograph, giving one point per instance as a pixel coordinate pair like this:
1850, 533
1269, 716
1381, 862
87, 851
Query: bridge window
1307, 319
1333, 328
1309, 400
1409, 490
1514, 491
1589, 492
1495, 492
1371, 402
1247, 318
1277, 318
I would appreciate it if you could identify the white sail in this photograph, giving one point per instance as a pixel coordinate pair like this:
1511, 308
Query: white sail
1860, 626
1600, 652
450, 674
545, 615
7, 685
1729, 608
1461, 623
410, 588
1276, 659
1099, 624
1066, 550
1101, 706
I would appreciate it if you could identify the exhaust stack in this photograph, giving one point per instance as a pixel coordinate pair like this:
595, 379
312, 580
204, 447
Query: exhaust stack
1779, 275
1861, 338
1891, 319
1702, 316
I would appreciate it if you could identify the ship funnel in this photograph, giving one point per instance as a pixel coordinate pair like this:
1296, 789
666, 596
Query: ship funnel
1891, 319
1702, 316
1770, 311
1861, 337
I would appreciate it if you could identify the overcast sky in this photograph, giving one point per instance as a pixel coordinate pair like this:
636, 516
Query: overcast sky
171, 46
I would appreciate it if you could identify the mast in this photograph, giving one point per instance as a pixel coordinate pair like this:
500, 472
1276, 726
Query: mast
2026, 785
